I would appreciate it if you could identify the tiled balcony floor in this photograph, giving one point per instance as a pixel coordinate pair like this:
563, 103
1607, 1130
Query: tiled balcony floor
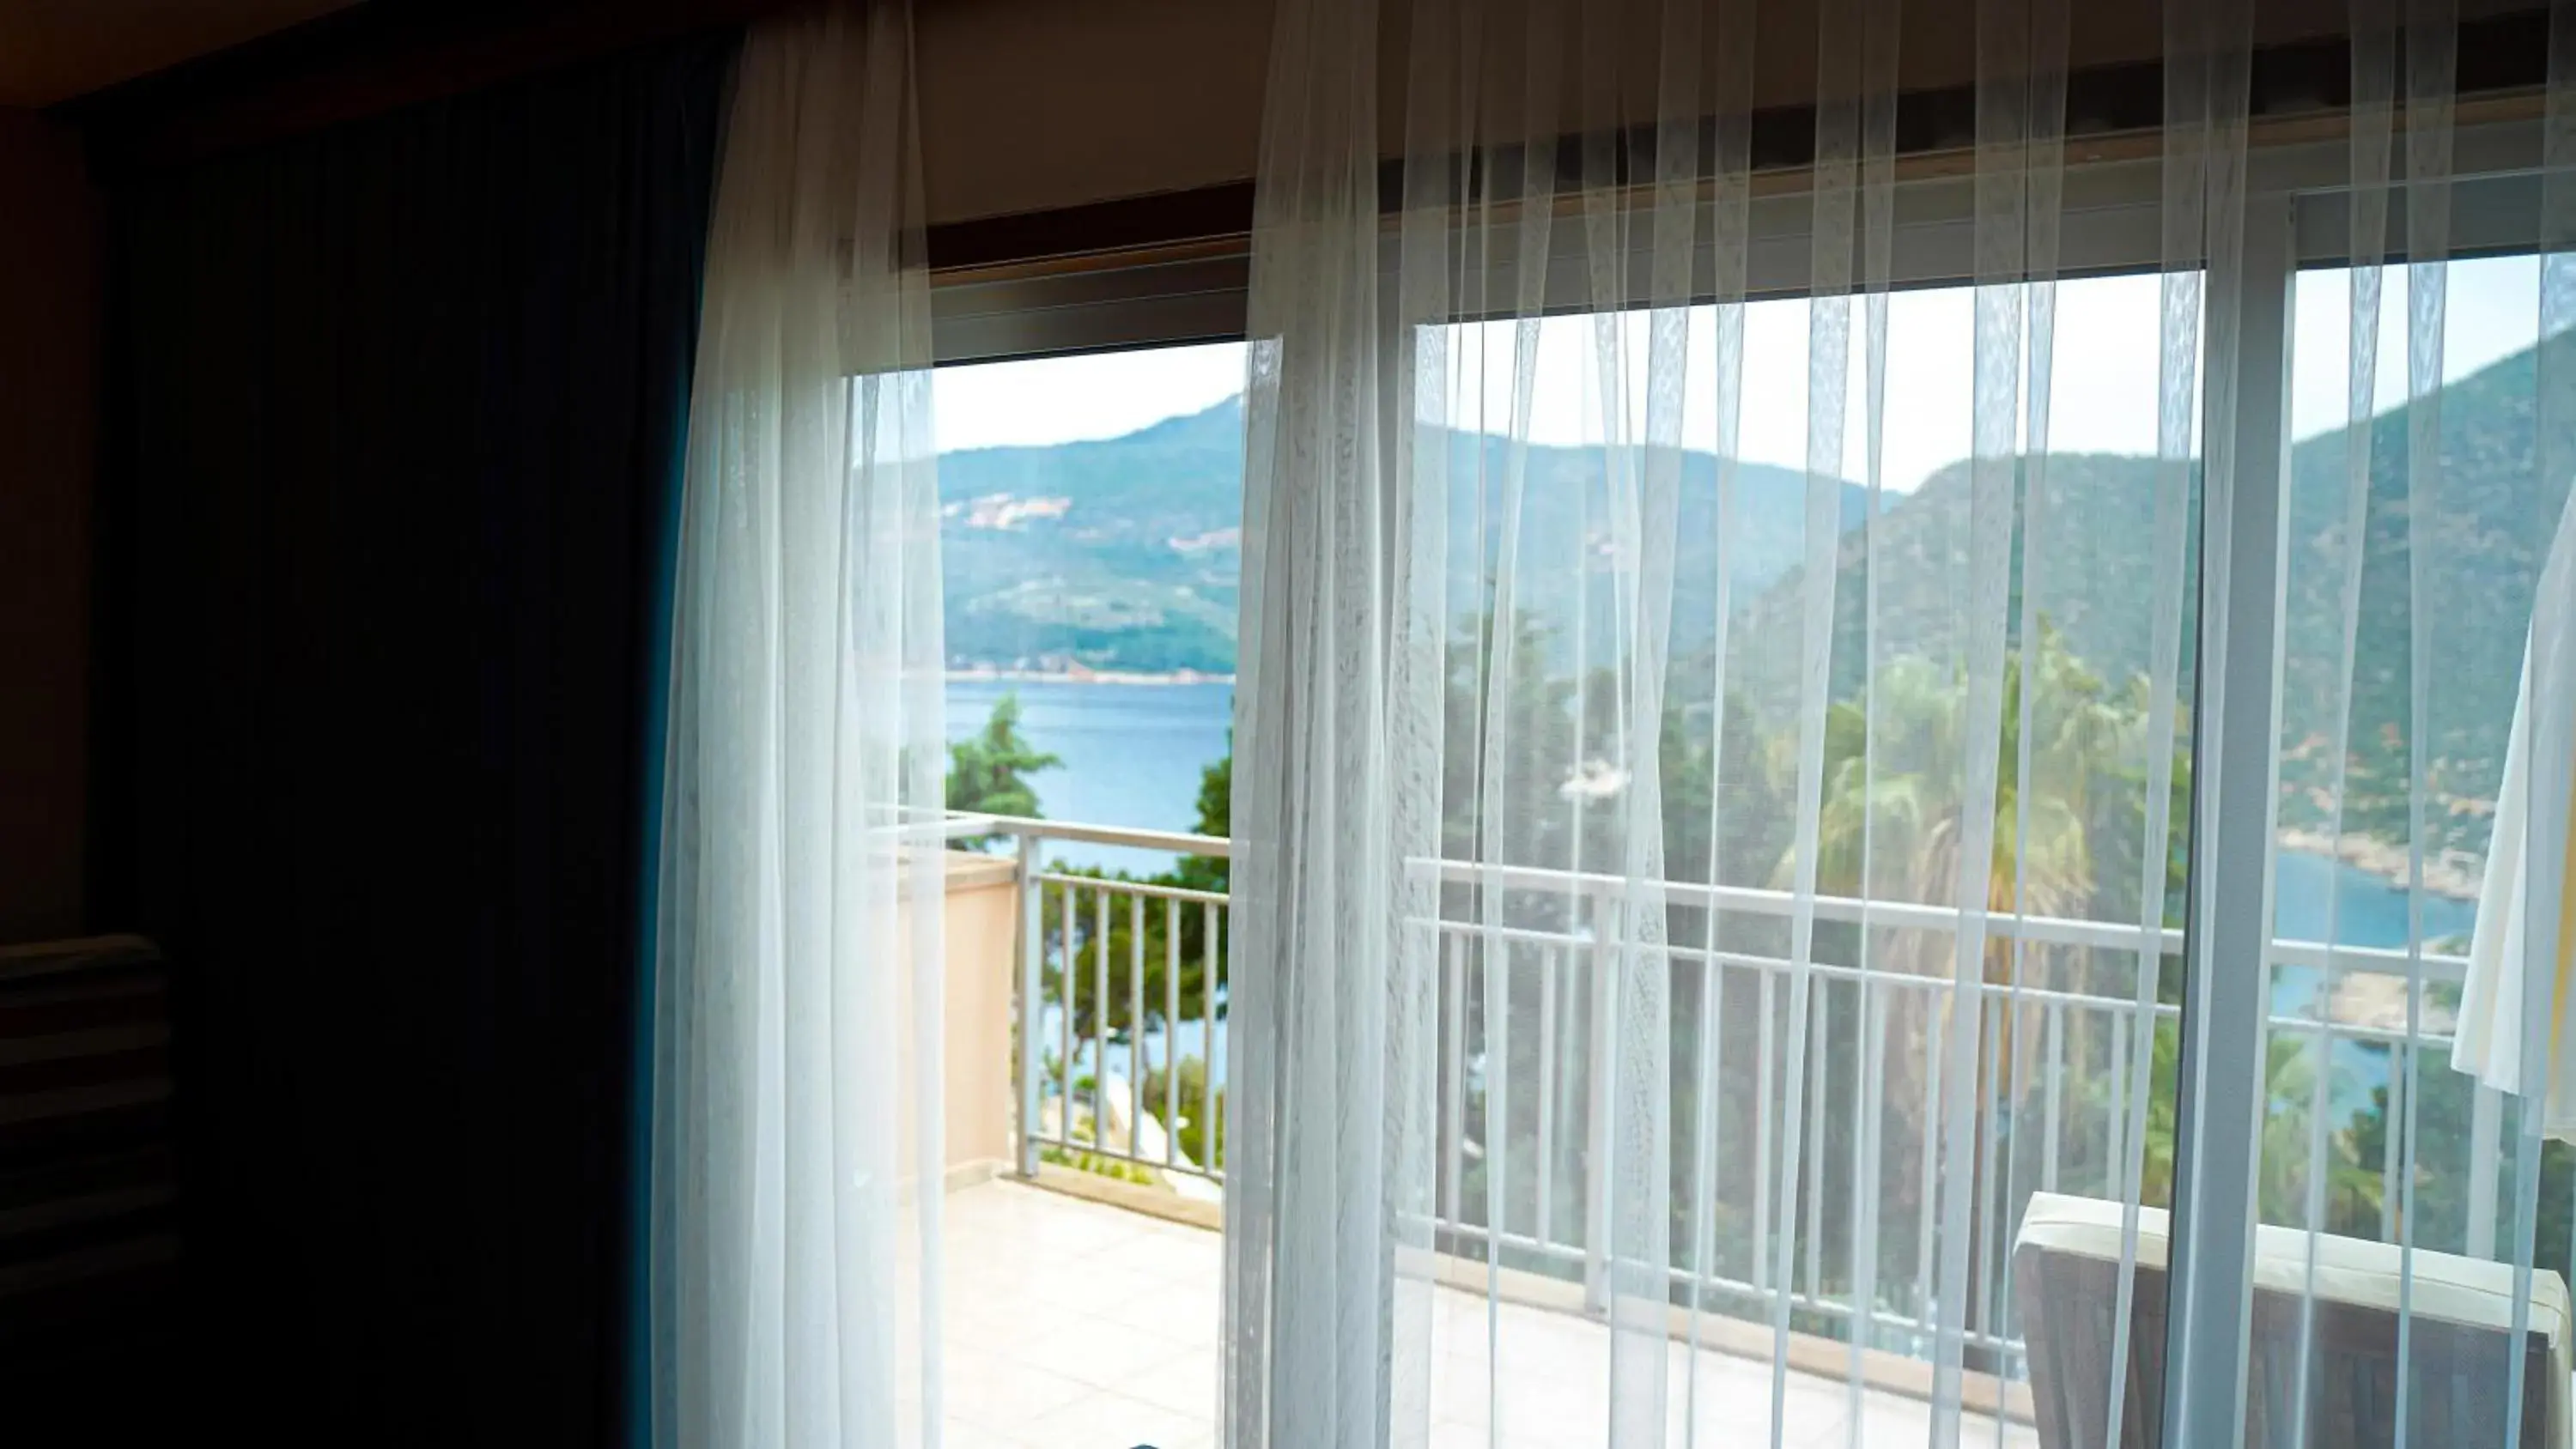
1075, 1325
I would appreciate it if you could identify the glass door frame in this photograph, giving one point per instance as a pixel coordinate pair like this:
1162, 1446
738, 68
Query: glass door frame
2294, 216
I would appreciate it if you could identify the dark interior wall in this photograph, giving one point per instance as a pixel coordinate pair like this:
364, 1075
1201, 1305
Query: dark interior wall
49, 351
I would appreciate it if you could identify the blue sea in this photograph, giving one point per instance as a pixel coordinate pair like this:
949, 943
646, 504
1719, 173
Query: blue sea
1132, 755
2371, 910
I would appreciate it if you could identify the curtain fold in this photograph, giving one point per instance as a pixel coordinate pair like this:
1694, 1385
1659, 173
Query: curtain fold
797, 1150
1682, 867
396, 409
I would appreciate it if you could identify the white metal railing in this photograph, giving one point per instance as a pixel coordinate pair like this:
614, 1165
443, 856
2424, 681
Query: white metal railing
1559, 975
1068, 938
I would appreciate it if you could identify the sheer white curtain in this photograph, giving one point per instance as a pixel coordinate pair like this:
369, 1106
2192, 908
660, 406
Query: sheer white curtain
1682, 874
796, 1113
2426, 647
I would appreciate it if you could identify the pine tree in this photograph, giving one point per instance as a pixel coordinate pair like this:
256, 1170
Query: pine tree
988, 771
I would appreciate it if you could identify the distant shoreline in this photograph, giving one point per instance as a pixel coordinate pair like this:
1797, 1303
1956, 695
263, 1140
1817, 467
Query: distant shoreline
1087, 676
2451, 874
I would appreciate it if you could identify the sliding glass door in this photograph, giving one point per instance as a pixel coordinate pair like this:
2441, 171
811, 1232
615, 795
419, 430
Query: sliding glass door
2072, 803
1920, 911
2012, 1001
2377, 1238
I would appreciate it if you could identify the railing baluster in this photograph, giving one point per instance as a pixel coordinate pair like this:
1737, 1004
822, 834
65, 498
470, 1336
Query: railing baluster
1496, 1138
1454, 1005
1597, 1106
2055, 1090
1100, 1024
1172, 1031
1208, 1078
2486, 1114
1032, 1000
2393, 1126
1216, 1098
1713, 1020
1815, 1137
1865, 1178
1135, 1021
1990, 1026
2016, 1163
2116, 1165
1927, 1149
1762, 1165
1547, 1094
1069, 979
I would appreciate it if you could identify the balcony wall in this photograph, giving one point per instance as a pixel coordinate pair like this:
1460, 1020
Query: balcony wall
982, 950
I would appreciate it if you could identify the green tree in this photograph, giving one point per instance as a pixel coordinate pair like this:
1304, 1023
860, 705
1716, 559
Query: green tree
1151, 953
1215, 817
1200, 1123
2444, 1111
988, 771
2352, 1186
2068, 825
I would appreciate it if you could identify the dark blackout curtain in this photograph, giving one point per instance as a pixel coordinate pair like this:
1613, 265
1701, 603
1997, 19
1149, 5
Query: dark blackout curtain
395, 434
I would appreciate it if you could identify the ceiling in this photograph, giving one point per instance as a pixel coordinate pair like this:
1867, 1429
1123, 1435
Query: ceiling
52, 50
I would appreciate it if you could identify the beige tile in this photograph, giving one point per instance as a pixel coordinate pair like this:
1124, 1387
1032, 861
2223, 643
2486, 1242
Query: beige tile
1101, 1355
1088, 1228
1197, 1258
1080, 1283
1106, 1420
1006, 1394
1183, 1314
1076, 1325
987, 1321
1186, 1385
957, 1433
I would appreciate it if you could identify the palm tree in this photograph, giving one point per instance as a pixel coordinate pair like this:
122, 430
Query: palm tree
1892, 810
2352, 1187
1892, 825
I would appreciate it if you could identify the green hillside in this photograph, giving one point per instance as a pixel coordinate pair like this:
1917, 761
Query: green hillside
2489, 528
2488, 523
1138, 569
1124, 553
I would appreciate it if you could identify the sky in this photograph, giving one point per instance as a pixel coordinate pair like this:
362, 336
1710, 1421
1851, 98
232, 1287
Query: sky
1070, 399
2103, 378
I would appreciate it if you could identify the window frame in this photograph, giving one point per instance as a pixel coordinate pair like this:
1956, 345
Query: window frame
1002, 314
2295, 219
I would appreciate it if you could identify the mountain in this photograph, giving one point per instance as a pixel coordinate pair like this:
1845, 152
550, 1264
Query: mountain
1119, 554
2094, 565
2485, 544
1124, 553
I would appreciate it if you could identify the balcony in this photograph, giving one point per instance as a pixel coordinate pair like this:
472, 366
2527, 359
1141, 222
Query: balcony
1083, 1257
1073, 1322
